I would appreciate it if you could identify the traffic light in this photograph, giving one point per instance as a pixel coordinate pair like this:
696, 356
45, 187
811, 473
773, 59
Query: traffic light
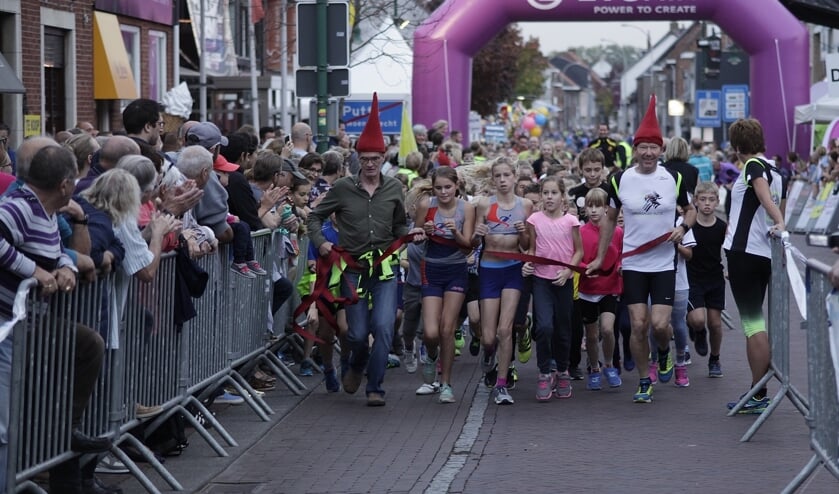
713, 55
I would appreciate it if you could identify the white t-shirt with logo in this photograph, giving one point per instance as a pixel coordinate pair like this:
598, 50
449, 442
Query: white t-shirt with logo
649, 211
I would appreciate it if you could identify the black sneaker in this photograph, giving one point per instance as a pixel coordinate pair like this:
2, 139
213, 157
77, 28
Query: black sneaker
490, 377
701, 342
474, 346
576, 373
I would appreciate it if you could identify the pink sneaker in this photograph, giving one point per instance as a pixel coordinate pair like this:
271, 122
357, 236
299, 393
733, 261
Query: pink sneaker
682, 380
654, 372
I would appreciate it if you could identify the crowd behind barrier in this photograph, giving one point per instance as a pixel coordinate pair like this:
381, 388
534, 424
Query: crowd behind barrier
160, 363
154, 362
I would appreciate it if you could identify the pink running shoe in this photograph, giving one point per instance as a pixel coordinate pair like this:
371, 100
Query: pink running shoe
654, 372
543, 387
682, 380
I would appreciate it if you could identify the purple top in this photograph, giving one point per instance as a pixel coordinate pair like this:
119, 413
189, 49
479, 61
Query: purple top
727, 173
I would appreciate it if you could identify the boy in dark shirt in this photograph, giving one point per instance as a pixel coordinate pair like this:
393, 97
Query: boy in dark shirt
591, 165
705, 275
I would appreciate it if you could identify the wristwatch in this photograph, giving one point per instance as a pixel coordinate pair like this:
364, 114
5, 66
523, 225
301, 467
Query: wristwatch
83, 221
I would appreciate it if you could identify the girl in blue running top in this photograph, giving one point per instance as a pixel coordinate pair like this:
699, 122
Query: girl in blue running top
444, 273
500, 222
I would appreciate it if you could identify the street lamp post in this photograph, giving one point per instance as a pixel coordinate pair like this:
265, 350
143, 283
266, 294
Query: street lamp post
644, 31
622, 101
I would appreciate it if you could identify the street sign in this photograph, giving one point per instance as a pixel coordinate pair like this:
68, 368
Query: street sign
708, 111
354, 114
337, 29
495, 133
337, 83
736, 102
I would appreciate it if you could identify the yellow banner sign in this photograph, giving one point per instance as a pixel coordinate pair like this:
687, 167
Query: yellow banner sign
31, 125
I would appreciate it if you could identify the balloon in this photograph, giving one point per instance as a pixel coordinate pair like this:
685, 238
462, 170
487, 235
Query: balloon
528, 123
544, 111
540, 119
536, 131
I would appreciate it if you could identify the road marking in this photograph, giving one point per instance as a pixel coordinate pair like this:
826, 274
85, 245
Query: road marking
463, 446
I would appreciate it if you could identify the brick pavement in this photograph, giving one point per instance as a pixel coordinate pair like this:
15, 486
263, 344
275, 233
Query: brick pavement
594, 442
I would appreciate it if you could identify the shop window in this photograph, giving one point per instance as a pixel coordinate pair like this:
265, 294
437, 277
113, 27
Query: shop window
157, 65
131, 38
55, 97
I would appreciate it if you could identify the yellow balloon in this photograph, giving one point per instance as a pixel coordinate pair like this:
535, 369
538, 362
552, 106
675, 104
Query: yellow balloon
544, 111
536, 131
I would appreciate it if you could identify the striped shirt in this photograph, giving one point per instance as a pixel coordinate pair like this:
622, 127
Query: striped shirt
29, 237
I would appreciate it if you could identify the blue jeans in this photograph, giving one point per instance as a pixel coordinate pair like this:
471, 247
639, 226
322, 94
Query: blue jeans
6, 348
552, 306
374, 313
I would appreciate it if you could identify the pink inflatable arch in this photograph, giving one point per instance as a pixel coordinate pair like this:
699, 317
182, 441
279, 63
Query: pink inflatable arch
776, 41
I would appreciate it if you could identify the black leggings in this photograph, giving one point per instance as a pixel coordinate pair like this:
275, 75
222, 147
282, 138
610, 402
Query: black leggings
749, 276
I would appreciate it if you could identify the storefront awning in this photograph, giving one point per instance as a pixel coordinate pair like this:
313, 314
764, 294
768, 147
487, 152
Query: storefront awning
9, 83
112, 76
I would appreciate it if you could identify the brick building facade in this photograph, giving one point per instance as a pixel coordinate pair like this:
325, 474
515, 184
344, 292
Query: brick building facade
49, 46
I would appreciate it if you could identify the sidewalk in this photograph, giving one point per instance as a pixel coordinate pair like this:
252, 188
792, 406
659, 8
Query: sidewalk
594, 442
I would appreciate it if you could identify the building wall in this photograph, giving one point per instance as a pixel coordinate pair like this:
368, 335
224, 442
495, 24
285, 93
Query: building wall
115, 111
24, 50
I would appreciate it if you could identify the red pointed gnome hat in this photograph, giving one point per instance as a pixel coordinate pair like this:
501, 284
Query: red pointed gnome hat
372, 140
649, 130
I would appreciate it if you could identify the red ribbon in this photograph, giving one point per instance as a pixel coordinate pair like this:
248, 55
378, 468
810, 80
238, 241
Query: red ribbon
321, 295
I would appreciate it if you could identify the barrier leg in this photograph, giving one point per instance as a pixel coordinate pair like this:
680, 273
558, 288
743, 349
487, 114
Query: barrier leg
746, 397
726, 319
802, 475
30, 486
248, 397
249, 389
283, 372
773, 404
213, 422
149, 456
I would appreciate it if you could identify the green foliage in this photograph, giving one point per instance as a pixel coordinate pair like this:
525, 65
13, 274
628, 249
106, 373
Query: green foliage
495, 71
531, 70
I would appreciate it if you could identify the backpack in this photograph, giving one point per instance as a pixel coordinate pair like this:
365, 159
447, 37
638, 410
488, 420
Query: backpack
170, 438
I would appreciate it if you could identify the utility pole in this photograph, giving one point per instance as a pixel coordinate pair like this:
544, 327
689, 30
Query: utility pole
202, 67
322, 74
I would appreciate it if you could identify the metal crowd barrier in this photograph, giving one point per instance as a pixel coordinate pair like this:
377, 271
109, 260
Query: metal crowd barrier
40, 414
823, 418
156, 362
778, 331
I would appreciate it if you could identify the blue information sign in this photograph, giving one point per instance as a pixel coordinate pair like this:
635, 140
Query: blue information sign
735, 99
355, 113
708, 109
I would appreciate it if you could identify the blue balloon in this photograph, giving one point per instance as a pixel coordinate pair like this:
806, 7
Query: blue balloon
541, 119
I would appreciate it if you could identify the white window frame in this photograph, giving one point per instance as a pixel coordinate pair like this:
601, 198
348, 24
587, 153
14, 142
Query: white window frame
134, 52
162, 66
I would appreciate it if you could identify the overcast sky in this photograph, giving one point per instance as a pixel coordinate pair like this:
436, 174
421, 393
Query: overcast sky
559, 36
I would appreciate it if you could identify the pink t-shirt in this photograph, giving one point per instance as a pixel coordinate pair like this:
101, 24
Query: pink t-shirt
553, 240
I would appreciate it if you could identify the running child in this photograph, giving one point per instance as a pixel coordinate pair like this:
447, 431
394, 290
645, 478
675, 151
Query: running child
555, 235
706, 279
598, 299
500, 222
444, 274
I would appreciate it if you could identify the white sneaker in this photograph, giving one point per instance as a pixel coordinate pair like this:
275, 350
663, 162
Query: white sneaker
409, 360
109, 464
429, 389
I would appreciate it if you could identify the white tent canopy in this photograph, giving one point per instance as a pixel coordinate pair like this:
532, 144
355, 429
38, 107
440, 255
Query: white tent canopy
823, 110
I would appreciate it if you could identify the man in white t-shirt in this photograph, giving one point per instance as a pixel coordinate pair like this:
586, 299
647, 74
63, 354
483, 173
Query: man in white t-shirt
648, 194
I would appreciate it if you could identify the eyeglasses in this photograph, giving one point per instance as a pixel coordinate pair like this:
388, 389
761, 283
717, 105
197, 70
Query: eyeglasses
369, 159
161, 124
644, 148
